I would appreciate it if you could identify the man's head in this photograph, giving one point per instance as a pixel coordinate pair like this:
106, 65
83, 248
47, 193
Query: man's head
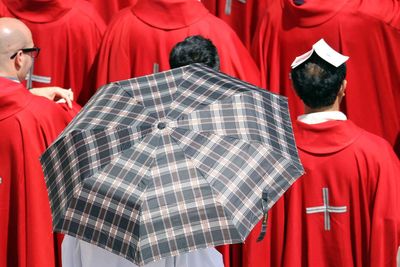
15, 41
318, 82
194, 49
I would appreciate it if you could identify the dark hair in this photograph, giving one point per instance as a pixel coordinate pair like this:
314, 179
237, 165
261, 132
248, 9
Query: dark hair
317, 82
194, 49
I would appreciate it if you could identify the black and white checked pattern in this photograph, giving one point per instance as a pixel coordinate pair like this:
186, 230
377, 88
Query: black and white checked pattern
169, 163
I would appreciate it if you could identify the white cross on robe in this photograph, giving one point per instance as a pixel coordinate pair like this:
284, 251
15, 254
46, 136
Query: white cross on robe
228, 6
35, 78
326, 209
156, 67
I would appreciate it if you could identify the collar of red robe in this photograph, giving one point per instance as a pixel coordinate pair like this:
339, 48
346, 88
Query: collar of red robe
311, 12
13, 97
327, 137
169, 14
39, 11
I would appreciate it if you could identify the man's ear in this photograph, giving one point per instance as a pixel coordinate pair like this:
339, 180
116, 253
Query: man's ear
19, 60
343, 88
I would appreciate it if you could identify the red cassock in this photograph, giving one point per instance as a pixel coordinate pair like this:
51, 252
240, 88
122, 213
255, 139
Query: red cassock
372, 95
28, 124
69, 34
139, 40
345, 211
386, 10
242, 15
108, 8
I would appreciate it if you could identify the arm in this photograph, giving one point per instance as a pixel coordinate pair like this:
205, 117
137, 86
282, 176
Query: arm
55, 94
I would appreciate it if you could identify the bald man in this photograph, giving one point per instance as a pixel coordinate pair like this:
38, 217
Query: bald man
28, 124
13, 42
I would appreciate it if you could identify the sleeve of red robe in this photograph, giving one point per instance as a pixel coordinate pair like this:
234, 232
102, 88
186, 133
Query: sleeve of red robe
26, 237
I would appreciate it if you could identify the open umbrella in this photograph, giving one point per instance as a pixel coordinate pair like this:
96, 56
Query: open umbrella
171, 162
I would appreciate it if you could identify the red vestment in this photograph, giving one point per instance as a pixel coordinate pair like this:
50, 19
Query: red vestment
28, 124
139, 40
372, 95
69, 34
361, 177
242, 16
108, 8
387, 10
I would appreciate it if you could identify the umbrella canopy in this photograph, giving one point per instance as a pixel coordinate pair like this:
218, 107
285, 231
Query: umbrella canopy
171, 162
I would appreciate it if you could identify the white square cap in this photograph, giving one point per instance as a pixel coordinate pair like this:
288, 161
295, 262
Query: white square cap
325, 52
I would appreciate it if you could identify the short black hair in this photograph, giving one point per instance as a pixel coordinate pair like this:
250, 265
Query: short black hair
194, 49
317, 82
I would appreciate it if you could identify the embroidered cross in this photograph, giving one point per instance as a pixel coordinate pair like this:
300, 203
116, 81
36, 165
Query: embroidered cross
326, 209
156, 68
228, 6
35, 78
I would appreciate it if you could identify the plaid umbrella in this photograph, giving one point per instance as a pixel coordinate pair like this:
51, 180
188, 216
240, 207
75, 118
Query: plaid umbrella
171, 162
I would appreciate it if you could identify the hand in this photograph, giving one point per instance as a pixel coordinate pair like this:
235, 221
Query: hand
54, 93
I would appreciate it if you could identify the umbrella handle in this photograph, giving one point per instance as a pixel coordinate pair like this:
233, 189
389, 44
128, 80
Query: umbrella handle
264, 202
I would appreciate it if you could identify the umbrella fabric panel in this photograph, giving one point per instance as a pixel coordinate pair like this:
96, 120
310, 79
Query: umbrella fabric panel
78, 156
105, 209
238, 172
154, 92
245, 115
180, 212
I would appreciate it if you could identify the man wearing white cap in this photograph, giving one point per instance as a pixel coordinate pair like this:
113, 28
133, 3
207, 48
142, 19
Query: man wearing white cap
345, 211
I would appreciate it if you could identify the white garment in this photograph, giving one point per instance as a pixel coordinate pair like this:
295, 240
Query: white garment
78, 253
398, 258
320, 117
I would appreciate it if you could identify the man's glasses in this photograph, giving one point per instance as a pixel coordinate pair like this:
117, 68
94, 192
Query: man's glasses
33, 52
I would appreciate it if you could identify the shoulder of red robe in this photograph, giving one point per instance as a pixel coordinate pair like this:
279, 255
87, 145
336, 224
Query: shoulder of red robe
324, 51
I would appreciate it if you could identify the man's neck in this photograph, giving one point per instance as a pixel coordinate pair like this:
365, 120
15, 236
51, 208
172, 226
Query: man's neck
308, 110
9, 75
334, 107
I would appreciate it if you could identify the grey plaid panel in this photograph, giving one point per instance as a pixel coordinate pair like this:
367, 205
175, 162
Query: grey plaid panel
106, 209
155, 92
111, 99
238, 171
115, 111
180, 212
200, 88
79, 155
248, 115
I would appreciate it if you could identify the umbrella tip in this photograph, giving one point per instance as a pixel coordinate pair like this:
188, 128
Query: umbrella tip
161, 125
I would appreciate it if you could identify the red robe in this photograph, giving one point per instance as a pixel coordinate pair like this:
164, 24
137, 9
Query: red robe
242, 16
108, 8
139, 40
362, 177
28, 124
372, 95
69, 34
386, 10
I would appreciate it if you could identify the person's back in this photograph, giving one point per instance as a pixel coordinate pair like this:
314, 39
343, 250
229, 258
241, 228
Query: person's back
373, 101
28, 124
139, 39
345, 211
242, 16
349, 195
107, 9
